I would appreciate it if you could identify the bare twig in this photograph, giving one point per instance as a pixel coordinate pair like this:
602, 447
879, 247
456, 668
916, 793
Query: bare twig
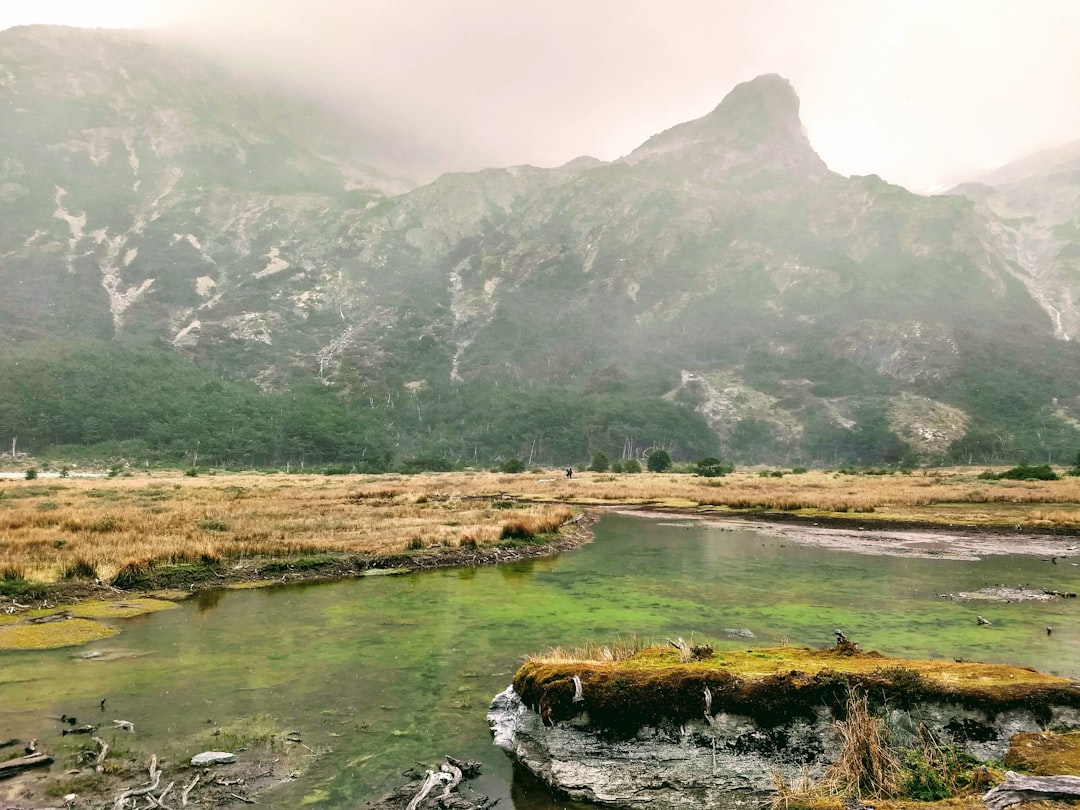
188, 789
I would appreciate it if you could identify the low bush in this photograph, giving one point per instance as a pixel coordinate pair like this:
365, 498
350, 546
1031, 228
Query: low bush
1027, 472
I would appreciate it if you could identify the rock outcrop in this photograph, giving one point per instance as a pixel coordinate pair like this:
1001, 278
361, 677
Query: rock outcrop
732, 733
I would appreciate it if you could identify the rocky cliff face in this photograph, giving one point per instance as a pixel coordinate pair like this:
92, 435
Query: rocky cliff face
150, 196
1034, 205
729, 763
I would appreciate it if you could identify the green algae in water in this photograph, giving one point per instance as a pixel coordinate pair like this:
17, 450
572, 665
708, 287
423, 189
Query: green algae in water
390, 671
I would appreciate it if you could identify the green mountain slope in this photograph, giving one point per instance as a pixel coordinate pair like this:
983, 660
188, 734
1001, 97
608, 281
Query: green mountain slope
718, 290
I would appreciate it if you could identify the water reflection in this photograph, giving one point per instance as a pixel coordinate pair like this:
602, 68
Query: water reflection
206, 601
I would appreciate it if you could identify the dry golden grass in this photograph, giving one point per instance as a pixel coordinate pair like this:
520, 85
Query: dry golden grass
49, 527
935, 496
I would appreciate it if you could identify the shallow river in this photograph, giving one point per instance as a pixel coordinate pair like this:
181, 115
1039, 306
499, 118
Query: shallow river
384, 672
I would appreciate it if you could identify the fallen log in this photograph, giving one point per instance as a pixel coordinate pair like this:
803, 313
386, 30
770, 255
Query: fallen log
1017, 788
11, 767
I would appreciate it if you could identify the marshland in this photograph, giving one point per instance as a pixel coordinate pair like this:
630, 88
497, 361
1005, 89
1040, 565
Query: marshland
376, 672
57, 528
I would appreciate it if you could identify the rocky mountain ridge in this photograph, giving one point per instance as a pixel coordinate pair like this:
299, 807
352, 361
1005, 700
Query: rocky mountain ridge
720, 268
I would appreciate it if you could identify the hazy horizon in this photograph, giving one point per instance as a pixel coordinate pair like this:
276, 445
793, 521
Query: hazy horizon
923, 94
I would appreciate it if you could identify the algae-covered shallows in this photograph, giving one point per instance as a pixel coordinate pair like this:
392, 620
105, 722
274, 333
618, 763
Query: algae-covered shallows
387, 671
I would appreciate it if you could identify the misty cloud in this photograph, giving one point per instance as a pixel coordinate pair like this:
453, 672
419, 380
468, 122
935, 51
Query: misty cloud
921, 92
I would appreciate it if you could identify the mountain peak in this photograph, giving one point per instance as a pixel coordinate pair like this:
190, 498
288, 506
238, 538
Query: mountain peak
764, 105
756, 123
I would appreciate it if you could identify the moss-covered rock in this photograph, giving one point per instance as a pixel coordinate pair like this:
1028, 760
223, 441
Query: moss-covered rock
654, 730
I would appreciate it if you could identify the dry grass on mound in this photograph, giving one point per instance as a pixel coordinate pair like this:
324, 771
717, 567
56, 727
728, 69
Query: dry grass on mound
767, 683
54, 528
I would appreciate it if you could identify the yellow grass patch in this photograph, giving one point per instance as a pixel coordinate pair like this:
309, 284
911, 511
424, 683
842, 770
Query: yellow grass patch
103, 525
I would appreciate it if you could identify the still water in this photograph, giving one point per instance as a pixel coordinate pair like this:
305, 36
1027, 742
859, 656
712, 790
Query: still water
385, 672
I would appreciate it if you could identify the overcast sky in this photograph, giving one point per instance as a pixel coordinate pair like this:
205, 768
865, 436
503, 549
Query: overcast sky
922, 92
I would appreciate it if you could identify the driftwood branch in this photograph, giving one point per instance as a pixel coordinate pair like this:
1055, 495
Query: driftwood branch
433, 778
1019, 788
455, 776
155, 778
20, 764
99, 763
159, 801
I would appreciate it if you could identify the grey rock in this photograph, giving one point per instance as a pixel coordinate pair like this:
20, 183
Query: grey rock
727, 764
213, 758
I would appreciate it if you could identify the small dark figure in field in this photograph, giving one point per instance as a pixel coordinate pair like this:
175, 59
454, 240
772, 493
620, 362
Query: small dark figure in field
569, 472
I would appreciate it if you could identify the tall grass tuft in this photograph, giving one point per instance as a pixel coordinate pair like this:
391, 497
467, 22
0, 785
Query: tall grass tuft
81, 568
868, 764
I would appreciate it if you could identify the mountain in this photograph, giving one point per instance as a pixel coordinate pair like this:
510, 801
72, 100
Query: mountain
716, 291
1035, 203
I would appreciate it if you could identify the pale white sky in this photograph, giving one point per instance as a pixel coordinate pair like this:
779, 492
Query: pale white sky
922, 92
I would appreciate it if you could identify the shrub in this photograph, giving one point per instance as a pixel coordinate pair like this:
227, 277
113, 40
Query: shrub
191, 472
338, 469
600, 463
512, 466
659, 461
1027, 472
712, 468
631, 465
413, 466
31, 474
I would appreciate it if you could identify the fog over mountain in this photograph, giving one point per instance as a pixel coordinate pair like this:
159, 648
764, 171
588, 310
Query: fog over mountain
200, 261
925, 94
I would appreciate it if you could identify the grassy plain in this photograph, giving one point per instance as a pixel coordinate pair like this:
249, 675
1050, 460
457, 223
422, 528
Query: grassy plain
52, 529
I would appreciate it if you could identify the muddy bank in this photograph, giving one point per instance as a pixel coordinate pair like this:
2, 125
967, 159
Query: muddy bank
951, 542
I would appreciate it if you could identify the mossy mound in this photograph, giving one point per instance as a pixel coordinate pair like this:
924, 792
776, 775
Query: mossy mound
48, 628
772, 686
1045, 753
50, 635
113, 609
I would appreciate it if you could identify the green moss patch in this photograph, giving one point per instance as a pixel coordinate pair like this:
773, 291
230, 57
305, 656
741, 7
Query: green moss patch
1045, 753
101, 609
772, 685
50, 635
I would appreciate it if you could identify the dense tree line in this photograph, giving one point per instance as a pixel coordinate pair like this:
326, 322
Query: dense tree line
110, 399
